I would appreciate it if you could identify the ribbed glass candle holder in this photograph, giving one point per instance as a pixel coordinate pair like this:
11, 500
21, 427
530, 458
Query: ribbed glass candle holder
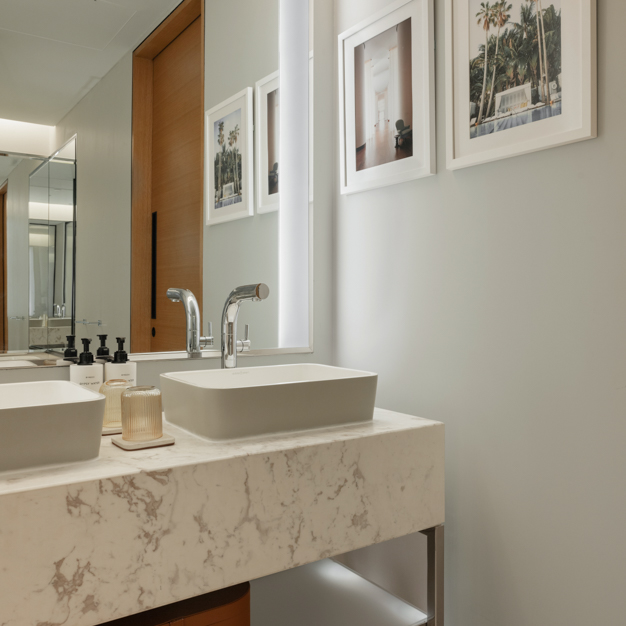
141, 414
112, 390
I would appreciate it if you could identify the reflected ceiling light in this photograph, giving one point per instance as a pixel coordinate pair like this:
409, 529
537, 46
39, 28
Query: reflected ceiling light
51, 212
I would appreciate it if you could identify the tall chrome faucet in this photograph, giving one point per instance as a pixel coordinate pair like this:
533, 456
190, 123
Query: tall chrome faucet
230, 345
195, 342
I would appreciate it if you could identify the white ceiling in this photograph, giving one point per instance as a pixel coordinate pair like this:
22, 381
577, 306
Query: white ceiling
52, 52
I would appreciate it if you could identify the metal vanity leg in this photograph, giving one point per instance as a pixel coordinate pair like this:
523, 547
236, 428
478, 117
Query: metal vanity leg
435, 575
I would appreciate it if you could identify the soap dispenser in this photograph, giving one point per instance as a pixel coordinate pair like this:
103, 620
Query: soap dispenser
87, 373
103, 355
121, 367
71, 354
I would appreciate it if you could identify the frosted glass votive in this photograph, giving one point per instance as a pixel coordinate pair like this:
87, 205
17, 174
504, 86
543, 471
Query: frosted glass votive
112, 390
141, 414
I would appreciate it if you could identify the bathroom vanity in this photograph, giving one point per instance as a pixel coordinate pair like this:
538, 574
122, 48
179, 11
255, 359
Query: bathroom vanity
86, 543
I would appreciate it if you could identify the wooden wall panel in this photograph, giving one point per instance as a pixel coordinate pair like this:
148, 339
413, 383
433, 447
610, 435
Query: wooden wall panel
141, 202
168, 149
177, 180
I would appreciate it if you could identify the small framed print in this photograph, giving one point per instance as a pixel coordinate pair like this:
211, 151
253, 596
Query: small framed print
520, 77
387, 97
267, 128
229, 158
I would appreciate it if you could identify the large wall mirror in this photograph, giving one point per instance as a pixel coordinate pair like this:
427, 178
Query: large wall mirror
181, 146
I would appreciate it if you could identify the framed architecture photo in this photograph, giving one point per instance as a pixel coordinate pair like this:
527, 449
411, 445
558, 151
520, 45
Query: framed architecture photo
267, 128
229, 157
387, 97
520, 77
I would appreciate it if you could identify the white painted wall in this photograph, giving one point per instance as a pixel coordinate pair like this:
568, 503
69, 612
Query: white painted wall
25, 138
494, 299
102, 123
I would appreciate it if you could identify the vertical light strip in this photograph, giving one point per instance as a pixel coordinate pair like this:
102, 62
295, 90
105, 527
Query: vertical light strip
293, 219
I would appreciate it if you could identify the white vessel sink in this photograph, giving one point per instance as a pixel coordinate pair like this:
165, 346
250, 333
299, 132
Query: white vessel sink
43, 423
243, 402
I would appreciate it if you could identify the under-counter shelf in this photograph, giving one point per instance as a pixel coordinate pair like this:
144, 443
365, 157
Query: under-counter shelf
329, 594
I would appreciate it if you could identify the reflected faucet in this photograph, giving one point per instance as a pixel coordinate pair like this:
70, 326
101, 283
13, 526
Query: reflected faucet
195, 342
230, 345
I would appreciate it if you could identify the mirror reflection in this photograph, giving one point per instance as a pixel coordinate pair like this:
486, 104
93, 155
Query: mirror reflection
51, 229
38, 215
165, 172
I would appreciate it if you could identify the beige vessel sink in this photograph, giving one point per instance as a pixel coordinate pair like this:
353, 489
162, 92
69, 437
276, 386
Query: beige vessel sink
244, 402
48, 422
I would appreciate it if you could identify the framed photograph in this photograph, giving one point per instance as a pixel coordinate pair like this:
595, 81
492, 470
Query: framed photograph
520, 77
229, 155
387, 97
267, 129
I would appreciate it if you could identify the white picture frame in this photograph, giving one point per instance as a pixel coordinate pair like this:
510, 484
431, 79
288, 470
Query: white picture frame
414, 154
267, 90
576, 119
233, 199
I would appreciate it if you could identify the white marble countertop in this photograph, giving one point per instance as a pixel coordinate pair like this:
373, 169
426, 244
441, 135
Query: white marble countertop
87, 543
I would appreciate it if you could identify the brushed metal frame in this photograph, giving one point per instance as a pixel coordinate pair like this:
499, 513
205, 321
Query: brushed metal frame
435, 553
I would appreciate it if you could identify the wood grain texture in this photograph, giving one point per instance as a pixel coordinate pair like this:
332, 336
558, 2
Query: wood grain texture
168, 147
169, 29
141, 203
177, 180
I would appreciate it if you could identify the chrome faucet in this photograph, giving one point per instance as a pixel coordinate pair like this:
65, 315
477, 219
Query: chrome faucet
195, 342
230, 345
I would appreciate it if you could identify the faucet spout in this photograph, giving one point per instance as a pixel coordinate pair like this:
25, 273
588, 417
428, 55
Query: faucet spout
192, 314
255, 293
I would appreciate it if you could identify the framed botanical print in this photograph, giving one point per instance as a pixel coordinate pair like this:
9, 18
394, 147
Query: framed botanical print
229, 158
520, 77
386, 91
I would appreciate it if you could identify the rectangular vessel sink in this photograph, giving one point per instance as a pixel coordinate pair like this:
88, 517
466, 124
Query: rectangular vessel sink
243, 402
48, 422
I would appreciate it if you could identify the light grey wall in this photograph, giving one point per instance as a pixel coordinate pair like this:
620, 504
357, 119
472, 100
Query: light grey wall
494, 299
102, 123
17, 252
241, 47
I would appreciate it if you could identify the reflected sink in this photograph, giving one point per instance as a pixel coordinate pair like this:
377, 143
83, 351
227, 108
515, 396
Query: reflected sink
244, 402
48, 422
9, 363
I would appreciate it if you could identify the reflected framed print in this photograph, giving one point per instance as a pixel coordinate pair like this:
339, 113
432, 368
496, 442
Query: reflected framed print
229, 157
267, 131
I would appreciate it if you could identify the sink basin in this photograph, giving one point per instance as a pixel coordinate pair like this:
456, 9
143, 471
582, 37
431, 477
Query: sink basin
43, 423
244, 402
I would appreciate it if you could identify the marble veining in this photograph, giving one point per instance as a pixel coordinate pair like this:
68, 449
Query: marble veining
84, 544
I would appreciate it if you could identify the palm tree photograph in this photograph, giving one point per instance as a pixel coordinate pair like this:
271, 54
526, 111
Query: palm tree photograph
228, 160
515, 63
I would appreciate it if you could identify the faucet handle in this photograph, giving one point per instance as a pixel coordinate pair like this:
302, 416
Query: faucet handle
244, 346
208, 340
